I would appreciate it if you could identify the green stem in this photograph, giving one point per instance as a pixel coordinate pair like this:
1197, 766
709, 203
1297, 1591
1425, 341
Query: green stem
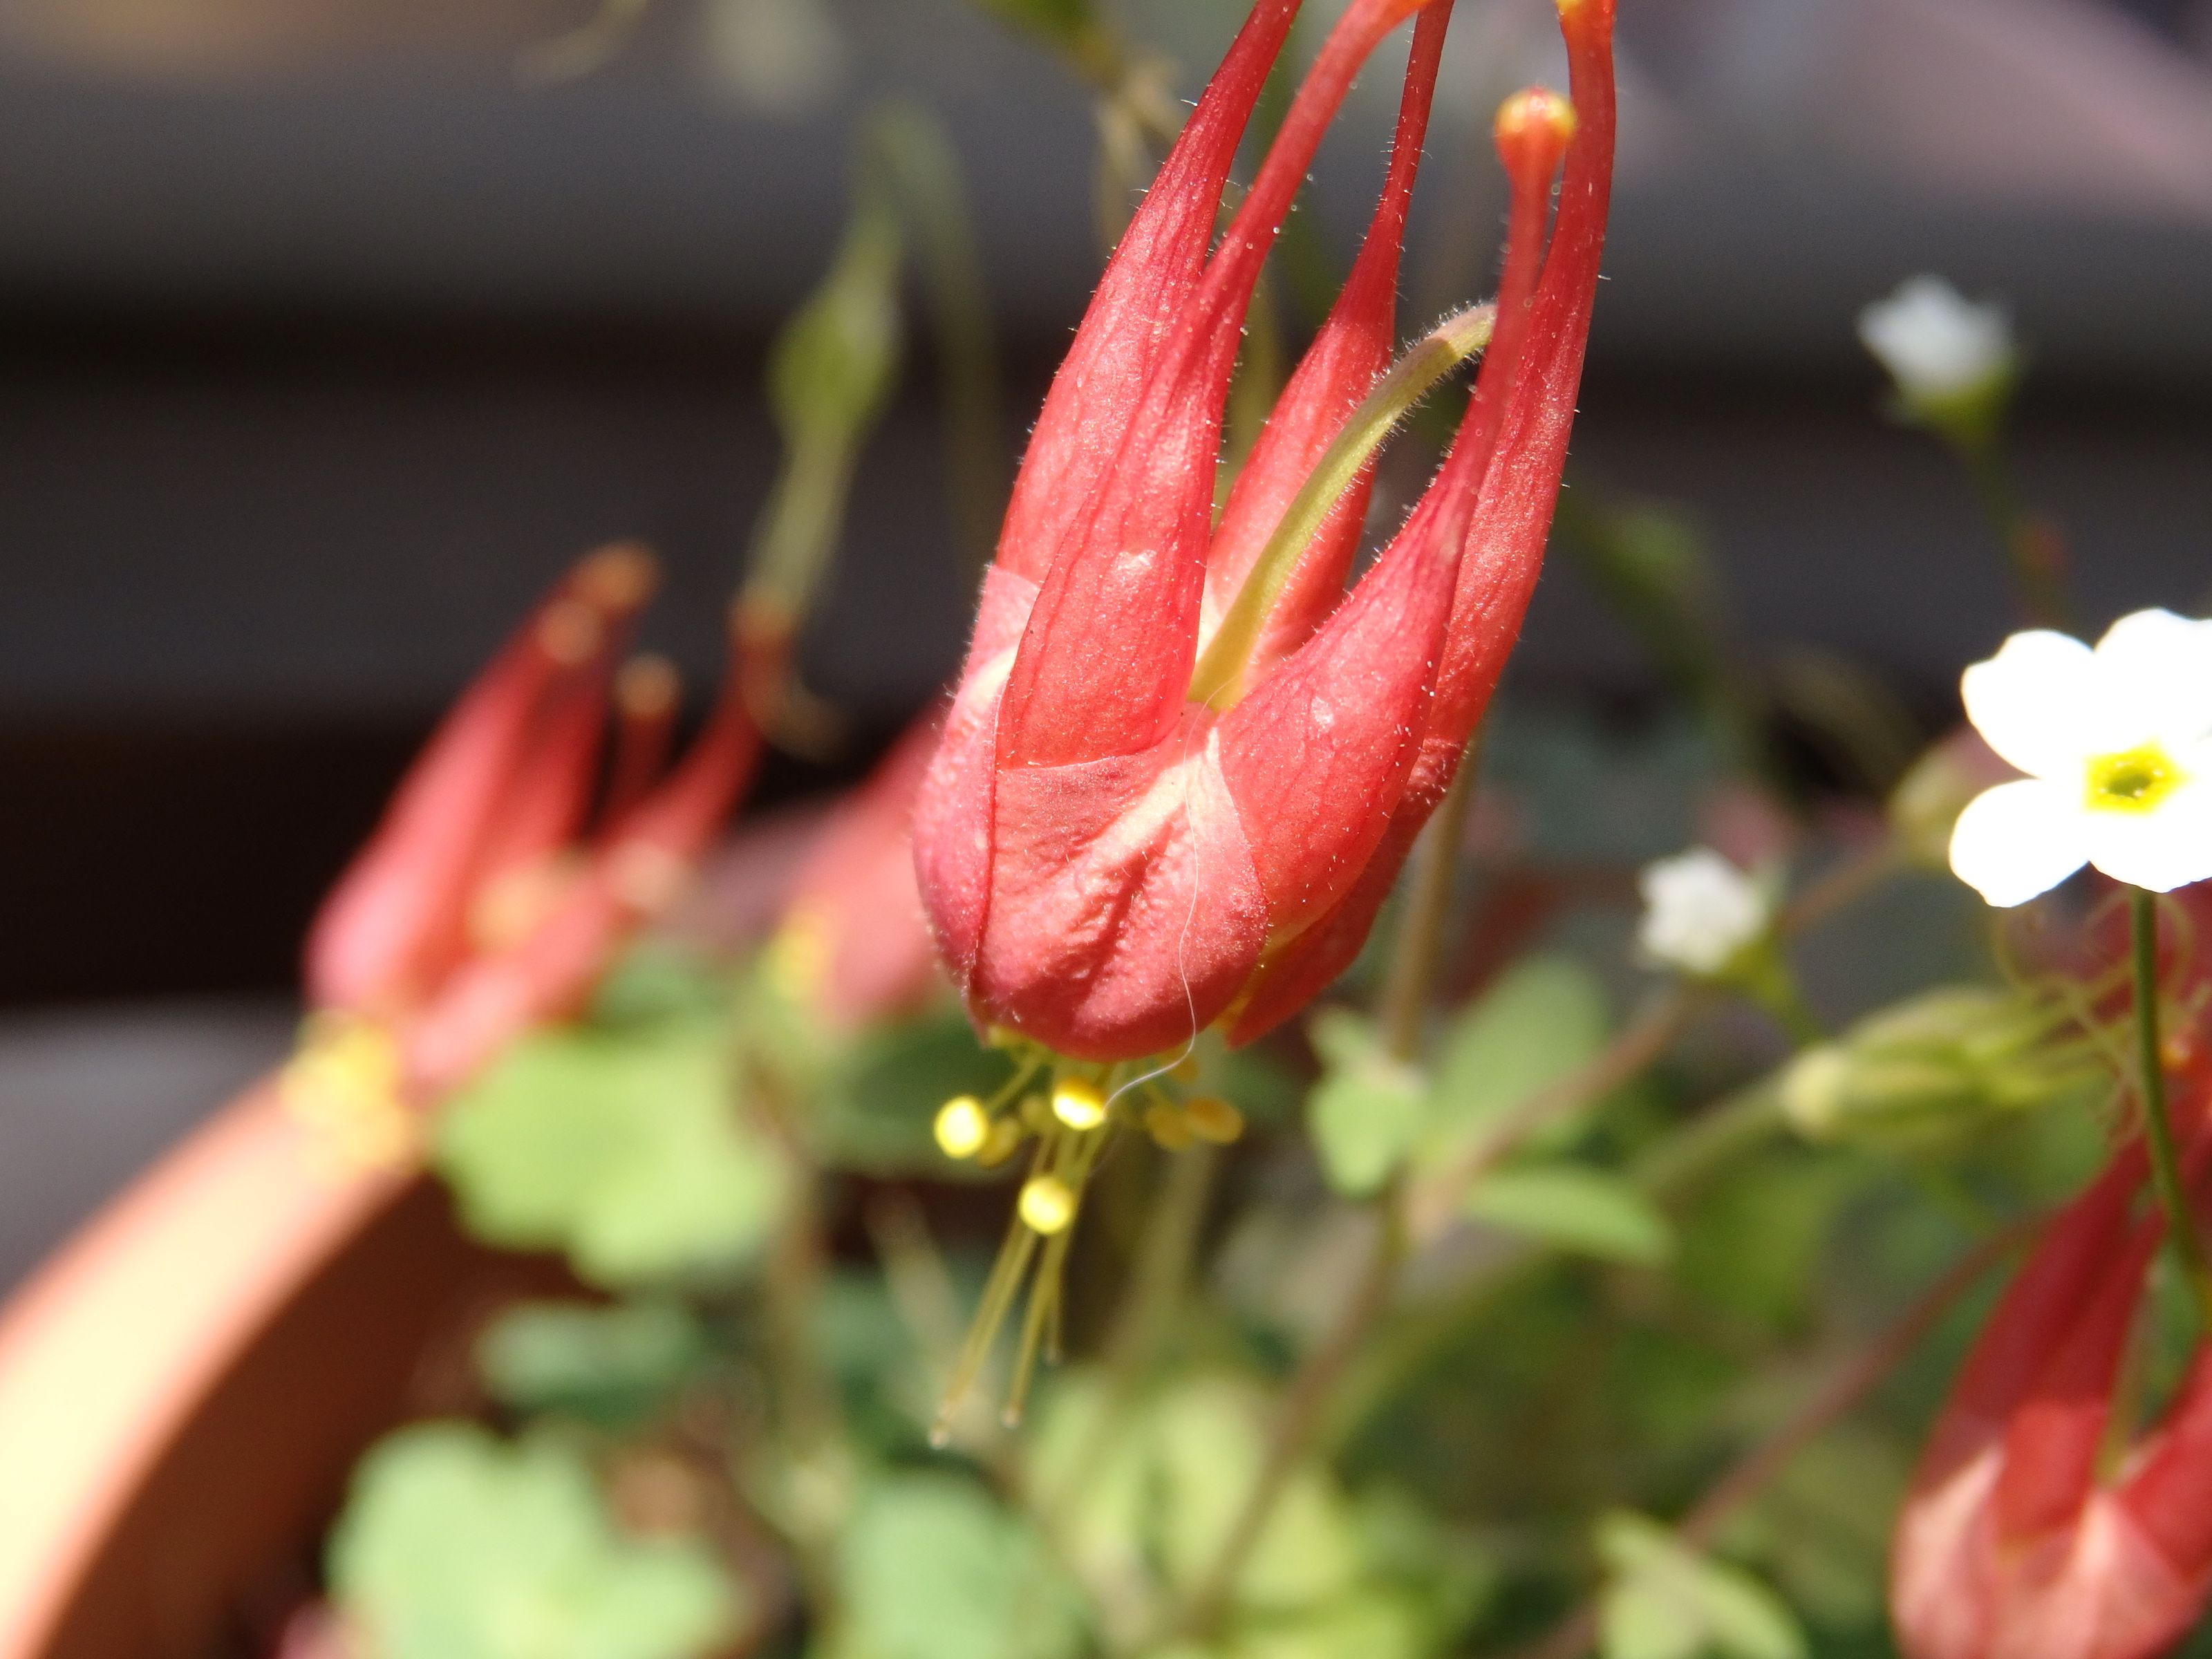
2030, 549
917, 153
1420, 928
1767, 978
1672, 1165
2158, 1127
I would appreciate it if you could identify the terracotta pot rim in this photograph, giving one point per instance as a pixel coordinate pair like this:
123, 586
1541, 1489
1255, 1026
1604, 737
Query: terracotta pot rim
114, 1345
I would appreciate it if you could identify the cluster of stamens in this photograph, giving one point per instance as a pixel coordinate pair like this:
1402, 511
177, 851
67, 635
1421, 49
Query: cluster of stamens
1072, 1113
343, 1082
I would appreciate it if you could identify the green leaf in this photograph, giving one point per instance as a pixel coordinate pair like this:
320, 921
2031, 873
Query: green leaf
1368, 1624
626, 1150
610, 1366
1156, 1496
1664, 1600
1366, 1111
881, 1094
931, 1568
455, 1545
1576, 1208
1543, 1017
656, 979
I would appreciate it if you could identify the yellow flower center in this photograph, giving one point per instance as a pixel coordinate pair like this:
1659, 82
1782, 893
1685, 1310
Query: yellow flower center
2131, 780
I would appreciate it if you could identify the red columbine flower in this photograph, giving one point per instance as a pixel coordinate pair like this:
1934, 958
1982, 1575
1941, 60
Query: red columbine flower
1109, 861
2023, 1537
486, 902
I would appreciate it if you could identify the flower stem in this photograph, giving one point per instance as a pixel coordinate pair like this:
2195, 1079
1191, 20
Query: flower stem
1428, 896
2158, 1127
2032, 546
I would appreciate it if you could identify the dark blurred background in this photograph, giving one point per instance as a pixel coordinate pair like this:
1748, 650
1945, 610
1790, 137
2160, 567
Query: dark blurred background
329, 334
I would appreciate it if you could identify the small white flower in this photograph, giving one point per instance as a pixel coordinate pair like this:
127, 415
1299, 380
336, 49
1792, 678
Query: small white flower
1937, 343
1699, 911
2116, 744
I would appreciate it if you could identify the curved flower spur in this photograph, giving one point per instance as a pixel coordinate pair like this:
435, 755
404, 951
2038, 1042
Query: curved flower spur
1183, 766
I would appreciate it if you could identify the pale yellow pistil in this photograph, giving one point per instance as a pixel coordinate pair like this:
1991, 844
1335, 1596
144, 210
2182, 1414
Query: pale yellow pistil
2130, 779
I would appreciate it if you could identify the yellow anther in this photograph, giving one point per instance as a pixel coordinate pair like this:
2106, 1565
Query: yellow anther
344, 1083
797, 960
1168, 1126
1047, 1203
1078, 1104
1036, 1113
962, 1127
1005, 1137
1212, 1118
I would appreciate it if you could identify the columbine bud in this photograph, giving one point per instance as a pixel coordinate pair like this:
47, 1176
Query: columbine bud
487, 901
1128, 835
2032, 1529
1700, 913
1953, 361
1941, 1064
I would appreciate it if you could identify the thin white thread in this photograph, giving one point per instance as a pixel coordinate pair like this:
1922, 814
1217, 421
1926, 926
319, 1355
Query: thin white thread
1183, 940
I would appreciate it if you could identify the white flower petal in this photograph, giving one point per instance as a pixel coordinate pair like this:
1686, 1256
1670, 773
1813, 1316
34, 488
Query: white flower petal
1933, 341
2031, 700
2020, 839
2168, 847
1699, 910
2153, 674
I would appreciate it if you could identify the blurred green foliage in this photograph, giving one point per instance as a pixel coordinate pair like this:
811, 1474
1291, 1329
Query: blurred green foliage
455, 1545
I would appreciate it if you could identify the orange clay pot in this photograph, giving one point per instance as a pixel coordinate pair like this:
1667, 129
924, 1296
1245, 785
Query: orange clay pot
184, 1385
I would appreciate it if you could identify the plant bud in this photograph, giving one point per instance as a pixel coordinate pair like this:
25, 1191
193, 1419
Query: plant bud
1941, 1065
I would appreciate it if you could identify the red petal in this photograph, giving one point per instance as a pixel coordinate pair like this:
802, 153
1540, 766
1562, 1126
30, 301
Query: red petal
1352, 349
1316, 757
1145, 285
1106, 661
393, 923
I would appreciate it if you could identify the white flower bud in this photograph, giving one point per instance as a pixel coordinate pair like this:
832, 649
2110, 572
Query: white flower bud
1700, 912
1938, 346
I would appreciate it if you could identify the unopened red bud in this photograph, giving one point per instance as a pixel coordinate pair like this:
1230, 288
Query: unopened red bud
618, 579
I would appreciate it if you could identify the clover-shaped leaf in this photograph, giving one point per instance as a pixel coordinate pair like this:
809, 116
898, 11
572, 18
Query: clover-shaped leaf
455, 1545
626, 1149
